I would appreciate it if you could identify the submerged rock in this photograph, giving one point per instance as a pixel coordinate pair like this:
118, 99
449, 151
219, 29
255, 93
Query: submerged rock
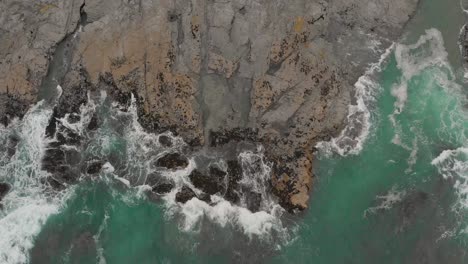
11, 145
94, 167
163, 187
93, 123
253, 201
4, 189
172, 161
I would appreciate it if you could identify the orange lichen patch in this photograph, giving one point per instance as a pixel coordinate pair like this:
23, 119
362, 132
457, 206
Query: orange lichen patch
43, 8
299, 24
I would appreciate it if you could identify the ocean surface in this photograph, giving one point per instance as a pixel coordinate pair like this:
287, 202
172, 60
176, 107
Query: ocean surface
397, 194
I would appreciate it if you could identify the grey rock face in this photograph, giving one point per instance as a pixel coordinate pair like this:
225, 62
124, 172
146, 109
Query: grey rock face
29, 31
279, 73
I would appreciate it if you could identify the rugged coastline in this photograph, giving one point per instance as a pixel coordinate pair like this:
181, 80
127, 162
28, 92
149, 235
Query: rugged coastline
215, 73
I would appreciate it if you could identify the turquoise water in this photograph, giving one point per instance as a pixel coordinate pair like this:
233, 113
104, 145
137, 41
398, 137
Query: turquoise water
402, 199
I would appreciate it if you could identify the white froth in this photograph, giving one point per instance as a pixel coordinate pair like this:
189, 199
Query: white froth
143, 149
428, 51
19, 228
454, 164
349, 143
387, 201
26, 208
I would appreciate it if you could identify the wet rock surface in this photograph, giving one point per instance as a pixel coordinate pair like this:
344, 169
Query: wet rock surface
172, 161
185, 194
216, 73
211, 183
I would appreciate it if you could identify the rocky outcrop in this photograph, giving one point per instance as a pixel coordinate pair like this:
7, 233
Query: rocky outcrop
172, 161
30, 32
277, 73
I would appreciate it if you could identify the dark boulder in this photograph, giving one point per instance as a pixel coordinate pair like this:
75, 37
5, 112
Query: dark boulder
165, 141
163, 187
205, 197
253, 201
172, 161
212, 183
93, 123
4, 189
234, 176
94, 167
185, 195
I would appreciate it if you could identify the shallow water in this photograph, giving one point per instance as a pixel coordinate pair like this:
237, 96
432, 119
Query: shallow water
400, 198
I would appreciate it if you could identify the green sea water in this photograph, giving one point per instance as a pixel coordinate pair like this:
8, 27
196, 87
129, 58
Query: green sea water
400, 200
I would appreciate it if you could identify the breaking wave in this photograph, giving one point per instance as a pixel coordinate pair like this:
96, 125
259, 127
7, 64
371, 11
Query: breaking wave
29, 203
352, 138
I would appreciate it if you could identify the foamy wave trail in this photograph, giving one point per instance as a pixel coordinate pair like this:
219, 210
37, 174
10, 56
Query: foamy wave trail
352, 138
27, 206
387, 201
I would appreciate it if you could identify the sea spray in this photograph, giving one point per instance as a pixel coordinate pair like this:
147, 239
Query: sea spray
27, 206
352, 138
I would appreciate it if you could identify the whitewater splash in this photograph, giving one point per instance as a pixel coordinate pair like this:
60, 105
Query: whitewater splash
28, 204
143, 149
454, 164
352, 138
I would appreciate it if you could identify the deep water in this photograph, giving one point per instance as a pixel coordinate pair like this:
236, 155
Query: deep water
402, 199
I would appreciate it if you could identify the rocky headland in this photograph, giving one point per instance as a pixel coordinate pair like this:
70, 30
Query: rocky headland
216, 73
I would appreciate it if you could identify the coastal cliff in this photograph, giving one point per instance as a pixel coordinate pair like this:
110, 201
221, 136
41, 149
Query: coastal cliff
215, 73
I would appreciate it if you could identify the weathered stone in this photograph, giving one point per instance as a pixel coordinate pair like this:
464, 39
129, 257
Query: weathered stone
234, 176
185, 195
163, 187
94, 167
222, 137
253, 200
165, 141
172, 161
210, 184
11, 145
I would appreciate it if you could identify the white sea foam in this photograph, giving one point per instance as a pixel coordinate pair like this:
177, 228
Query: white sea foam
26, 206
144, 149
454, 164
387, 201
412, 59
353, 136
19, 228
